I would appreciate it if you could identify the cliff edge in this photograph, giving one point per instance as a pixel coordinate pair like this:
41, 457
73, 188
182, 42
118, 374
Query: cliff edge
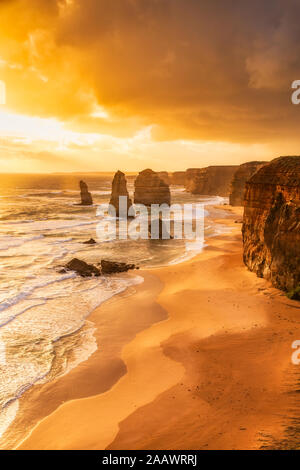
271, 225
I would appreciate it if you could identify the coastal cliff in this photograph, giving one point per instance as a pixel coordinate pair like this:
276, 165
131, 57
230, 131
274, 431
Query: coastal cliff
211, 181
151, 189
119, 188
191, 176
271, 226
178, 178
241, 176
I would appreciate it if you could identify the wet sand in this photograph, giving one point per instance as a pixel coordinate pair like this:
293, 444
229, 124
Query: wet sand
116, 325
208, 367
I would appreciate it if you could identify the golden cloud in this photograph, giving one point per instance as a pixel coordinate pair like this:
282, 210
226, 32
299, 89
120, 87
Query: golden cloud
209, 70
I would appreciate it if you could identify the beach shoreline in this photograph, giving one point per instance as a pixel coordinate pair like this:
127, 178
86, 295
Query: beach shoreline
208, 328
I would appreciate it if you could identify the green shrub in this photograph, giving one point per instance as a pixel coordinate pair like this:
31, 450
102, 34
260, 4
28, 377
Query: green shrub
294, 294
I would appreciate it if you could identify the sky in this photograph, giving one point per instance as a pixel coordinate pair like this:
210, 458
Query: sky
101, 85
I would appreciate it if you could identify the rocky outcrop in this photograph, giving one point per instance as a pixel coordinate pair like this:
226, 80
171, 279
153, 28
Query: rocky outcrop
238, 184
111, 267
105, 267
82, 268
119, 188
178, 178
271, 226
151, 189
210, 181
91, 241
86, 197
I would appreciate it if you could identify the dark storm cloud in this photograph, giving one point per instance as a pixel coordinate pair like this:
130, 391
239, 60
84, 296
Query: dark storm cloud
211, 67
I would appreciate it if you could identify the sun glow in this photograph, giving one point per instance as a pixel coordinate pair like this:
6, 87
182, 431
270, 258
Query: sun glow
31, 129
43, 144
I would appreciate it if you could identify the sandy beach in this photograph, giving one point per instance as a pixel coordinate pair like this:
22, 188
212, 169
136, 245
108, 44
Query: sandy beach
149, 226
197, 357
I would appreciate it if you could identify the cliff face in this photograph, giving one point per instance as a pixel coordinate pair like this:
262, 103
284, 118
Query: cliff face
86, 197
271, 227
178, 178
150, 189
119, 188
241, 176
211, 181
191, 176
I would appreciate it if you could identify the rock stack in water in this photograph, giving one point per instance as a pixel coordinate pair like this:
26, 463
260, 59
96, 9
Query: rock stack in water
271, 227
238, 184
178, 178
119, 188
86, 197
164, 175
151, 189
210, 181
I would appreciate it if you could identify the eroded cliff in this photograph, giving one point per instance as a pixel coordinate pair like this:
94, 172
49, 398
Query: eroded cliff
238, 184
211, 181
271, 226
178, 178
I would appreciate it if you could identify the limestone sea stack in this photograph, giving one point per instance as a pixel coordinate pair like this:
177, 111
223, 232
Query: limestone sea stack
210, 181
271, 226
164, 175
119, 188
151, 189
86, 197
178, 178
238, 184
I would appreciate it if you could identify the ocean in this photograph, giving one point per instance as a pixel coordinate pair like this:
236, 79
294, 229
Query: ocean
44, 314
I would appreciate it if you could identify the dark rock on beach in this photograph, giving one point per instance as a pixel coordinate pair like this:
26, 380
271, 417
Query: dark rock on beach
82, 268
105, 267
91, 241
111, 267
62, 271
